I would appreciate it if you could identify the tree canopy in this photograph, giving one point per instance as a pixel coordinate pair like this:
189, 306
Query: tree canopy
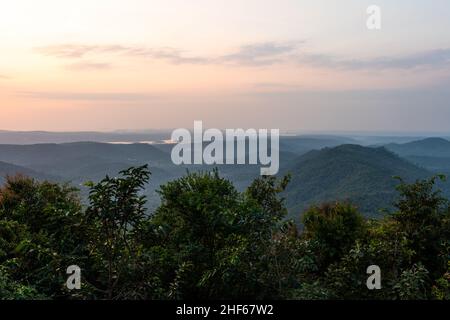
206, 240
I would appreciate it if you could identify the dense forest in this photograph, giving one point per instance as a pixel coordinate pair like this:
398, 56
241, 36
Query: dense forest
207, 240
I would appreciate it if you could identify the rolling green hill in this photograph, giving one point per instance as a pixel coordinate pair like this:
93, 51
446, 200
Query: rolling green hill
362, 175
8, 169
430, 147
432, 154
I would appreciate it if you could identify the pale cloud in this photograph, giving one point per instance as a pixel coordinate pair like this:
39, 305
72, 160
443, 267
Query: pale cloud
259, 54
88, 65
276, 86
256, 54
430, 59
91, 96
74, 51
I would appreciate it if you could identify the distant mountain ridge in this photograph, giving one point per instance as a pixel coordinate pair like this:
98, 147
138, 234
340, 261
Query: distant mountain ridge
8, 169
40, 137
323, 168
46, 154
362, 175
436, 147
431, 153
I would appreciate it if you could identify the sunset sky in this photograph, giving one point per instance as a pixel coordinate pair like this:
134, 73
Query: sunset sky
289, 64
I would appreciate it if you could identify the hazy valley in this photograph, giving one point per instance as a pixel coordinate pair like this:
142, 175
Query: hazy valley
360, 169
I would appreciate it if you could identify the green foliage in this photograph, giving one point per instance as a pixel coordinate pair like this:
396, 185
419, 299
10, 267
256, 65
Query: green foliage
422, 216
11, 290
218, 238
335, 227
39, 233
115, 217
206, 240
410, 246
412, 283
441, 289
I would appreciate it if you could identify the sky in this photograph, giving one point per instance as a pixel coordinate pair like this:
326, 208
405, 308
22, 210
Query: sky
289, 64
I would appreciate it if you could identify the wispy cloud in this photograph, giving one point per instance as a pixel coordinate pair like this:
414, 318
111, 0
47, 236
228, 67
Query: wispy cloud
260, 54
88, 65
257, 54
4, 77
431, 58
72, 51
276, 86
248, 55
91, 96
75, 51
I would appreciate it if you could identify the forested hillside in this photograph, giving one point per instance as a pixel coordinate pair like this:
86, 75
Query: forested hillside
432, 153
364, 176
322, 168
206, 240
